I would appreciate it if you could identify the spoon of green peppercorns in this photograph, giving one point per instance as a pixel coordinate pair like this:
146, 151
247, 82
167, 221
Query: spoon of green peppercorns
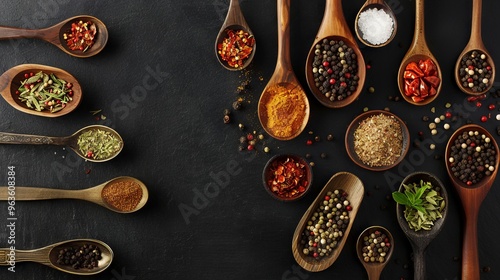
78, 256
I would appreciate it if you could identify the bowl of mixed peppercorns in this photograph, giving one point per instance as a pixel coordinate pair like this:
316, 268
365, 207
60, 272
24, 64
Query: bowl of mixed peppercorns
287, 177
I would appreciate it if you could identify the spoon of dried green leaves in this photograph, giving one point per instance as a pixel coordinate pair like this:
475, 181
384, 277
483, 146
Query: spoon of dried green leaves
421, 211
95, 143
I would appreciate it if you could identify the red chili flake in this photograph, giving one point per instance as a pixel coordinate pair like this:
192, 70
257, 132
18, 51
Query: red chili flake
236, 47
288, 178
484, 118
478, 104
81, 36
309, 142
88, 170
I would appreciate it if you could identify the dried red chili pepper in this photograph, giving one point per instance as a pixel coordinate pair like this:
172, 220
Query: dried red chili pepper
289, 178
81, 36
421, 80
236, 47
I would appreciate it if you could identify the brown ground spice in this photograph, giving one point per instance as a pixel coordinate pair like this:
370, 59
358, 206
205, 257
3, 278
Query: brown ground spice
123, 195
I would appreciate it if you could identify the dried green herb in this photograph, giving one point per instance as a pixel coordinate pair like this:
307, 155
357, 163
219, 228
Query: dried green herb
423, 204
43, 91
99, 144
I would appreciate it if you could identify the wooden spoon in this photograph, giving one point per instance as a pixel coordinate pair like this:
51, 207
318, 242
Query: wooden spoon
48, 256
11, 80
284, 82
419, 240
380, 5
353, 186
334, 27
418, 51
234, 21
475, 43
471, 197
54, 35
93, 194
70, 141
374, 269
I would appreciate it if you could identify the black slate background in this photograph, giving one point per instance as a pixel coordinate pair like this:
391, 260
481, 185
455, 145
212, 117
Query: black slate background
175, 141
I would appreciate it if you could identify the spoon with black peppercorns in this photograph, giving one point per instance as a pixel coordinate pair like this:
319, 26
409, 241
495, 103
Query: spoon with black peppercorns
55, 35
122, 194
472, 165
475, 69
59, 256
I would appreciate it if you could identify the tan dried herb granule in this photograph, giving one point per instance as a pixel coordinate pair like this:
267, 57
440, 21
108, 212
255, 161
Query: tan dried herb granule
378, 141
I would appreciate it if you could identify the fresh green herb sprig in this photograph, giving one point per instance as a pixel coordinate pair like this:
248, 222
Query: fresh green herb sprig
423, 204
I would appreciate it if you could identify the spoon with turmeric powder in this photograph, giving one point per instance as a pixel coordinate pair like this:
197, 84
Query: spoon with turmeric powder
283, 108
121, 194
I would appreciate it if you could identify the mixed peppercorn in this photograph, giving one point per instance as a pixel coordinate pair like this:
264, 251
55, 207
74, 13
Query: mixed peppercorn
376, 246
472, 157
335, 69
326, 227
475, 72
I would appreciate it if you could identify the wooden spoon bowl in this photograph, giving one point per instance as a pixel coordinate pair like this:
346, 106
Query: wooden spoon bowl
374, 269
471, 197
418, 51
284, 82
419, 240
334, 27
380, 5
11, 80
354, 188
234, 21
475, 43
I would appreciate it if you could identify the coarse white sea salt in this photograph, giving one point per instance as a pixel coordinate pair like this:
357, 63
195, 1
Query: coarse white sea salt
376, 26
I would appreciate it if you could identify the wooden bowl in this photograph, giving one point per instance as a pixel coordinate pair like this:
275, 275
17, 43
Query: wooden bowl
267, 175
349, 140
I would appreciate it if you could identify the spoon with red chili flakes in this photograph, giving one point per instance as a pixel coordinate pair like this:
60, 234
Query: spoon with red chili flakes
235, 44
287, 177
94, 36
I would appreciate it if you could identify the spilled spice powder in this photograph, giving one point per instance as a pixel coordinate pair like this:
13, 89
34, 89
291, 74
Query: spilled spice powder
123, 195
283, 110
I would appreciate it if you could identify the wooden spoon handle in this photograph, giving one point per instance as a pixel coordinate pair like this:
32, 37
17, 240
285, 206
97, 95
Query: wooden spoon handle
470, 256
15, 33
418, 263
14, 138
234, 14
8, 257
284, 60
30, 193
475, 35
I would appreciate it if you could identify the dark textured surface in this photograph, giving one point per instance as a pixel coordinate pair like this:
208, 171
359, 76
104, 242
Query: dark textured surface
176, 142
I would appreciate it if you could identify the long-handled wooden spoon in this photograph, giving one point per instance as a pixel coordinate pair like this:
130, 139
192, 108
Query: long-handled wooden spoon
55, 35
283, 99
49, 255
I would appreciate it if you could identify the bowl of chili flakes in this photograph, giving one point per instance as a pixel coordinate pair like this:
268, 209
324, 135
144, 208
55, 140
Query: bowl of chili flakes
287, 177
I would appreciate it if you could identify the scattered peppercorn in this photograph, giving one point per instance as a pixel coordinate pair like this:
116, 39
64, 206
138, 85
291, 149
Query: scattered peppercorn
226, 119
308, 156
317, 138
237, 104
323, 155
371, 89
329, 137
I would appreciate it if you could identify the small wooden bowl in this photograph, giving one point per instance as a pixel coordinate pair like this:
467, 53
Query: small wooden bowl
267, 175
349, 140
